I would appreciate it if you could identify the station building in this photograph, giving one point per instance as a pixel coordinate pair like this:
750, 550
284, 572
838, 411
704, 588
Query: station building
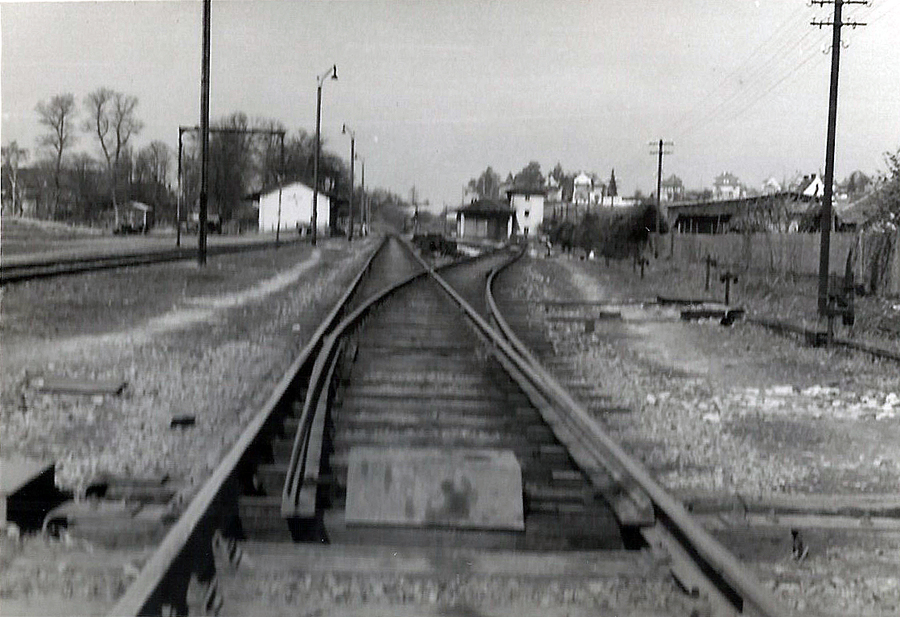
296, 209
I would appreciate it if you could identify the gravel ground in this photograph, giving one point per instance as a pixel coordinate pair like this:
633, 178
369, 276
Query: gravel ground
732, 410
210, 343
461, 595
787, 298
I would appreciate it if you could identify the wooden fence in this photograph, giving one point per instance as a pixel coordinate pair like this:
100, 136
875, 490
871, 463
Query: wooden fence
876, 256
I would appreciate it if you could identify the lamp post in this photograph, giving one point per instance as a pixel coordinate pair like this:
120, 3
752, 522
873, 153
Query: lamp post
332, 72
365, 202
346, 130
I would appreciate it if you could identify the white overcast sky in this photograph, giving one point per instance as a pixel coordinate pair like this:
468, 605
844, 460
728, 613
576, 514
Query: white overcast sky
438, 90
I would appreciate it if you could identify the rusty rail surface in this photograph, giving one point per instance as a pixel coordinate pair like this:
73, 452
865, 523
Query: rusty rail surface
693, 548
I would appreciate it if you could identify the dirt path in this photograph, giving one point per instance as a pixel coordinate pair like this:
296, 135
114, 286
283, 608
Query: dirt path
738, 408
195, 311
206, 354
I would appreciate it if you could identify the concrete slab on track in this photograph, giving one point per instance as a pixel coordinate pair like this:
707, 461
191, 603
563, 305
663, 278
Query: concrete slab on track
464, 488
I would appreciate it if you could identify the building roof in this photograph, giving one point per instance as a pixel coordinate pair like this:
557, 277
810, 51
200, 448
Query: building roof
487, 207
526, 191
672, 180
726, 178
859, 211
797, 202
274, 189
807, 181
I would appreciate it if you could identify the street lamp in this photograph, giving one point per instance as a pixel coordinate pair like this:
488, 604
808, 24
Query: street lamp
344, 131
364, 209
332, 72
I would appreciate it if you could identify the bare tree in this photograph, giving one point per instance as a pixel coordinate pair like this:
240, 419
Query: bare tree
57, 115
113, 121
13, 156
150, 172
87, 180
271, 152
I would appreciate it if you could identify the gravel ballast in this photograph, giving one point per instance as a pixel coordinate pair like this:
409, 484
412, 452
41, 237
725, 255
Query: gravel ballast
209, 343
734, 411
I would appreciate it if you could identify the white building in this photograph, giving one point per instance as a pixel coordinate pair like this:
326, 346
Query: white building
771, 186
727, 186
296, 209
811, 186
528, 205
581, 189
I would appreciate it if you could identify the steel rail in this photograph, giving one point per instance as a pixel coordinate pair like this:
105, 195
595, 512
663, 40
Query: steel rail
711, 558
185, 550
293, 503
812, 336
13, 273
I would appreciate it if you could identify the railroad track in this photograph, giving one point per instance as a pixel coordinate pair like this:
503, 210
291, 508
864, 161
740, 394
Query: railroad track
818, 338
45, 268
416, 461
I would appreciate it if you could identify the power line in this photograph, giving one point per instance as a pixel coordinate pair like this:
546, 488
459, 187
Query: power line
759, 80
724, 83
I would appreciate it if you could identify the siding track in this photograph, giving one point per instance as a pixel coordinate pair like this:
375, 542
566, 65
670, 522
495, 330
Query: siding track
20, 270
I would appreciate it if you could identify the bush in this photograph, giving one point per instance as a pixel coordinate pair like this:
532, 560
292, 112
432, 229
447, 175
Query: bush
616, 233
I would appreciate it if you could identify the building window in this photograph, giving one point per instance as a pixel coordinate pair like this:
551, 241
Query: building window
527, 212
528, 198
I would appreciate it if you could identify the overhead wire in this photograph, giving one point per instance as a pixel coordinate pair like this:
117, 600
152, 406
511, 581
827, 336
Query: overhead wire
857, 12
725, 82
762, 81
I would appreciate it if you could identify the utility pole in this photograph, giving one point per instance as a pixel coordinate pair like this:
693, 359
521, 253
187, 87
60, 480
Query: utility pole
826, 220
204, 137
660, 151
178, 206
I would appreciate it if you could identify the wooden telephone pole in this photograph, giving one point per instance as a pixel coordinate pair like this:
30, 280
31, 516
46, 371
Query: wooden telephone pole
661, 150
826, 220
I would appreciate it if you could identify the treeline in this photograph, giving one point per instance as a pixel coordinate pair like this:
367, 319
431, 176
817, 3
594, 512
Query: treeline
63, 184
490, 185
246, 156
615, 233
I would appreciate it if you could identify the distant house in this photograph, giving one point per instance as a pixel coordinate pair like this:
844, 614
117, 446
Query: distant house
554, 190
485, 219
811, 186
528, 206
296, 208
672, 189
598, 191
581, 189
770, 186
727, 186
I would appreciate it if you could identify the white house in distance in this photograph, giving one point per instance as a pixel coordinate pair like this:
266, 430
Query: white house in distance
727, 186
810, 186
296, 208
528, 205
